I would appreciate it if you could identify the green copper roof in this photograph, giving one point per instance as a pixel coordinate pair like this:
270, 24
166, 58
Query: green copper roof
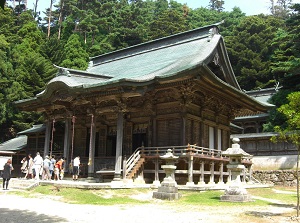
161, 60
34, 129
14, 144
146, 62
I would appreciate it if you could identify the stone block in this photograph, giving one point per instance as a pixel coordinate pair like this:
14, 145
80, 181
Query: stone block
236, 198
166, 196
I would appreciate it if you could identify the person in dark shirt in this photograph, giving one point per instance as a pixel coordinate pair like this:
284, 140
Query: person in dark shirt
6, 174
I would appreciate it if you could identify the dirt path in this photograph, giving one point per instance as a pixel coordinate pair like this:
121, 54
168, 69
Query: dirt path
15, 209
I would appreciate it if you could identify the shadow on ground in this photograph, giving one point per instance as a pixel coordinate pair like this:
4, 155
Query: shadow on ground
270, 214
16, 216
284, 205
262, 214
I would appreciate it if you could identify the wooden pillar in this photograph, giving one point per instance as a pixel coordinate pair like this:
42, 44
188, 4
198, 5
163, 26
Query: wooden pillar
117, 176
212, 173
201, 179
47, 138
154, 132
229, 177
221, 181
156, 177
190, 171
183, 127
92, 147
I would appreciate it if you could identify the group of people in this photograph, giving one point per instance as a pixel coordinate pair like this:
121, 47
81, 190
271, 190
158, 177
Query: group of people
48, 168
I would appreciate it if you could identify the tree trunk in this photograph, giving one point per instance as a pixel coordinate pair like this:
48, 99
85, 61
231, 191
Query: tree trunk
35, 8
297, 175
60, 18
49, 18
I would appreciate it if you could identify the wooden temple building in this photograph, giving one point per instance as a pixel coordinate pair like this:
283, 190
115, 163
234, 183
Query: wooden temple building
133, 104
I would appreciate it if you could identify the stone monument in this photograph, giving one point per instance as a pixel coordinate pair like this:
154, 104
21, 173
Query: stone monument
236, 192
168, 189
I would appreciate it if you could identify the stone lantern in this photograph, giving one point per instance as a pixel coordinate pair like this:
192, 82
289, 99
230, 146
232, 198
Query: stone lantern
168, 189
236, 191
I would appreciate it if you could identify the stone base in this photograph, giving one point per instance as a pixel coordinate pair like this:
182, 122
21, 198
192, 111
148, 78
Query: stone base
201, 183
166, 196
236, 193
116, 184
236, 198
167, 191
156, 184
190, 184
139, 180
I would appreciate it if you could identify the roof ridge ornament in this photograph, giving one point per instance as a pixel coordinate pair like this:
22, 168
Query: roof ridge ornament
91, 64
62, 71
214, 30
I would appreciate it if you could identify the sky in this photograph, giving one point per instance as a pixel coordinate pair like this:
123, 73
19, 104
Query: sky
250, 7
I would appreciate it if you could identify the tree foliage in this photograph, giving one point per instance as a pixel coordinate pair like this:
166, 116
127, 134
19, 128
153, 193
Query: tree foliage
71, 31
291, 132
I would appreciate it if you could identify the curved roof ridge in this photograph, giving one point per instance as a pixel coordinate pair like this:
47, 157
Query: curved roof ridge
198, 33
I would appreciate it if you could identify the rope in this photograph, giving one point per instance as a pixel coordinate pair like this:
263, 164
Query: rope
73, 127
52, 136
91, 134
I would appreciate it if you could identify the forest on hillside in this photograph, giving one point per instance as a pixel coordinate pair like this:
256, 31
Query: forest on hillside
263, 49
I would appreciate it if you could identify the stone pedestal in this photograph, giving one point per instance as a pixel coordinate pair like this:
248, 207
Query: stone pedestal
168, 189
236, 193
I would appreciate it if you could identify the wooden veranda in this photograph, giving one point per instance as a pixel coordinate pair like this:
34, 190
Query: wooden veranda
195, 165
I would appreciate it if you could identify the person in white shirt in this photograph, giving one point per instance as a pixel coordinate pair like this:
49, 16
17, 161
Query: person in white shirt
76, 164
37, 165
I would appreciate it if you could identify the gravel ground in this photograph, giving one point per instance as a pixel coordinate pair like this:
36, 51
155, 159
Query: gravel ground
16, 209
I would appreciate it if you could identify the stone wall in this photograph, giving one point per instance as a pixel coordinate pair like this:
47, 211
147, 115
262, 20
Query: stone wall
276, 177
285, 162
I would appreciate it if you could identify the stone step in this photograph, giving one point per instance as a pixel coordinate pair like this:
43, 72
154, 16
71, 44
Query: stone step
22, 184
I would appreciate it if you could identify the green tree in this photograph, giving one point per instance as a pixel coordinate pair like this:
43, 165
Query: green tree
291, 132
286, 59
285, 66
250, 49
168, 23
75, 55
216, 5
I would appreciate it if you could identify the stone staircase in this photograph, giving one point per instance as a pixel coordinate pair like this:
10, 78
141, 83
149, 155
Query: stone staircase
22, 184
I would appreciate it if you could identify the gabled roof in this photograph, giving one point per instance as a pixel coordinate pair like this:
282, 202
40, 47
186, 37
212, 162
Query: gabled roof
34, 129
14, 144
157, 61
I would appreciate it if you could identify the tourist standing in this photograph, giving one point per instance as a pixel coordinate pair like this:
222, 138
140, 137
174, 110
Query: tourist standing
52, 163
58, 168
62, 170
6, 174
38, 164
76, 164
29, 173
46, 165
23, 167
